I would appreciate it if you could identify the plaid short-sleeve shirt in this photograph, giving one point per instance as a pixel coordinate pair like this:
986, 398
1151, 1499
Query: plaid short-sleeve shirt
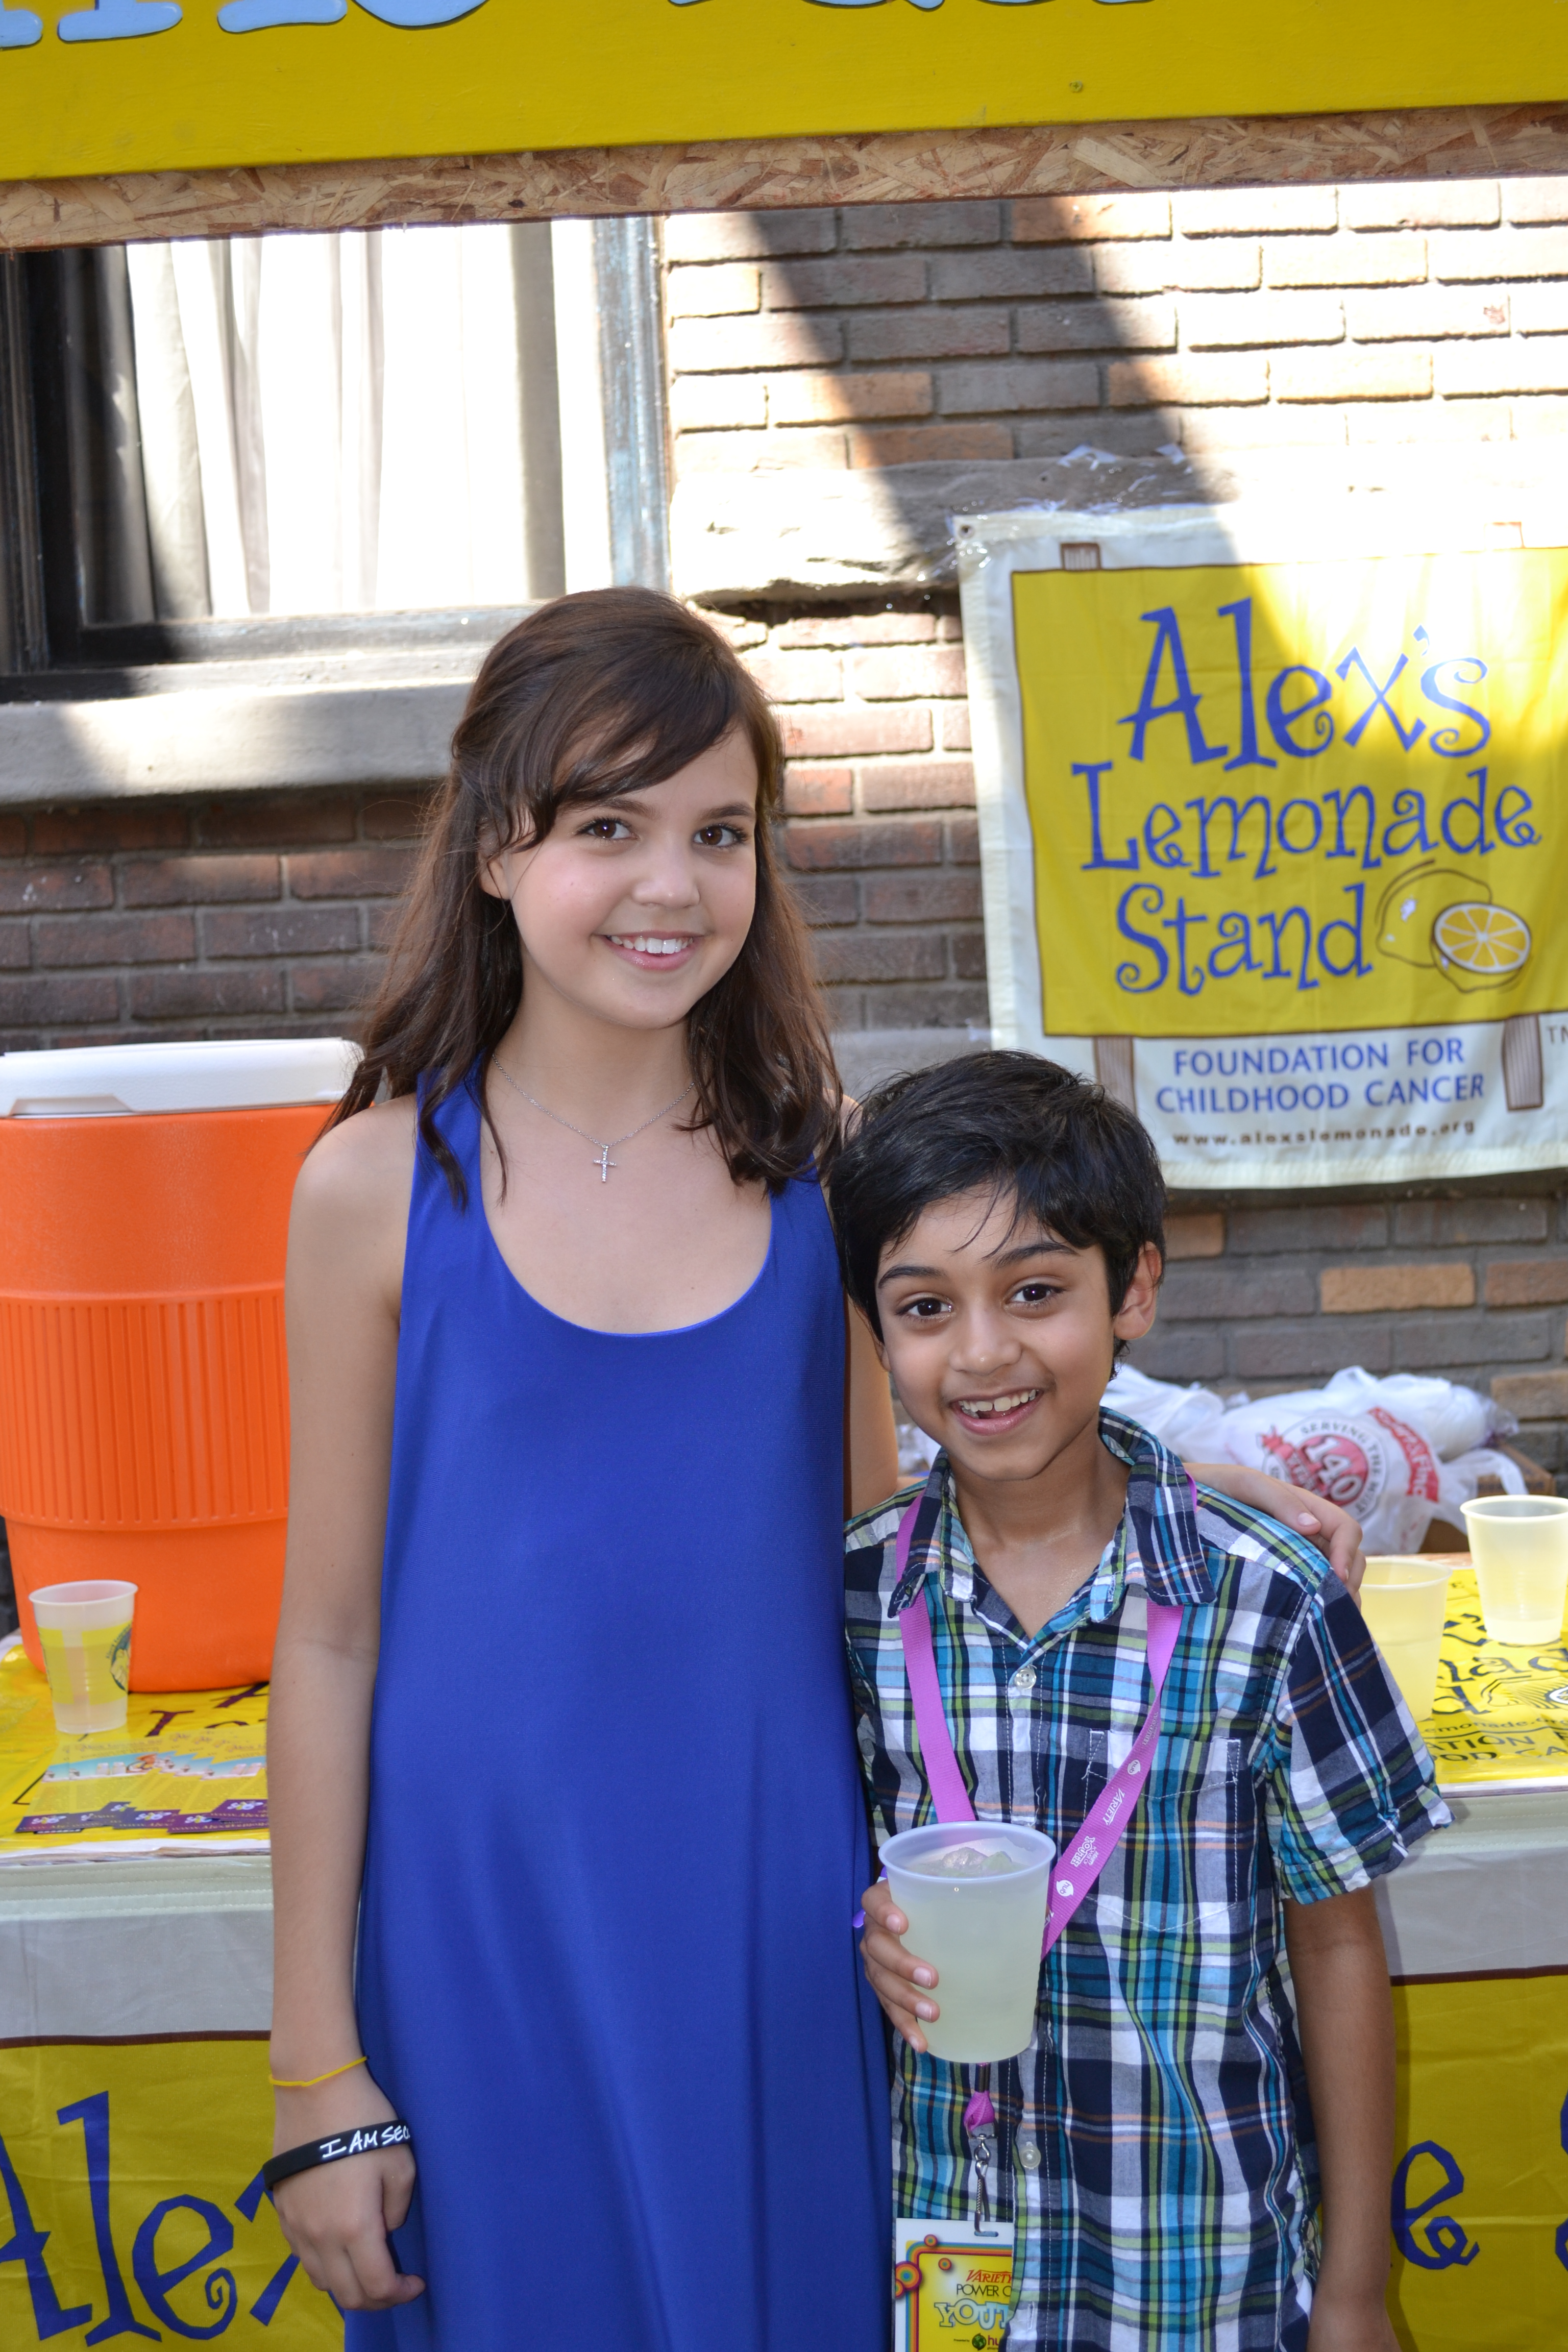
1154, 2151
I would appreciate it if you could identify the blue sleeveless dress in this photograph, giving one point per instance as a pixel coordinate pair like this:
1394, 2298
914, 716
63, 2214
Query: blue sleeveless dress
605, 1964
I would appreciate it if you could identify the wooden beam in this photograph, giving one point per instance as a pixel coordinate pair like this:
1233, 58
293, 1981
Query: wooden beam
753, 175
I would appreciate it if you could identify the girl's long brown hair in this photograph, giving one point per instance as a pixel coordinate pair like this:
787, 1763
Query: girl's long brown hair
589, 694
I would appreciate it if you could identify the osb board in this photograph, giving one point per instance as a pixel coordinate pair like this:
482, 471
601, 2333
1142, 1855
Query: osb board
747, 175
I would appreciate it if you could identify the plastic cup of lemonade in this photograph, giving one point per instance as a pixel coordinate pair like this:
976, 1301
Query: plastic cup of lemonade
975, 1894
1520, 1545
1405, 1604
84, 1630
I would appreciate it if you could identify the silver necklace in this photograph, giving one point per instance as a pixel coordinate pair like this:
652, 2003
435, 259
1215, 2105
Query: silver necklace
602, 1150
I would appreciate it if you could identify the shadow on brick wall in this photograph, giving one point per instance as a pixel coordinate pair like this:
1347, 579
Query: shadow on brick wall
1135, 348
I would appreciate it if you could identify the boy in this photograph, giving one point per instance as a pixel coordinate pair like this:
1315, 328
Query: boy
1156, 2148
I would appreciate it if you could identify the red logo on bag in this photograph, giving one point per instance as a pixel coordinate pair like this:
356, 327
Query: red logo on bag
1418, 1454
1326, 1461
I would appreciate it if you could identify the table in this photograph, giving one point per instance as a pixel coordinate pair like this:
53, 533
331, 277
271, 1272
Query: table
135, 1990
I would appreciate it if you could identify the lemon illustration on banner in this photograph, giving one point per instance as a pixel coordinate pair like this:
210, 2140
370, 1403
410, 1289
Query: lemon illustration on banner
1441, 920
1478, 945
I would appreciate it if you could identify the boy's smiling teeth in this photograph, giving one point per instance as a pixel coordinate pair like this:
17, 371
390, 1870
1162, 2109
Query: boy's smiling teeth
981, 1405
649, 943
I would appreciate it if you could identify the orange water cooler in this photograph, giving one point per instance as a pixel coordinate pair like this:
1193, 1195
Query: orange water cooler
144, 1195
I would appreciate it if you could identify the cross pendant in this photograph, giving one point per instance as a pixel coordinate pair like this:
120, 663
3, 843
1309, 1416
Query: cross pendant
606, 1163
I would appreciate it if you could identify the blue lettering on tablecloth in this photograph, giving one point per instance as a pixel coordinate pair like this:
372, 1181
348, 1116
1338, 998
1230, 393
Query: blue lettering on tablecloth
119, 20
133, 20
28, 2241
259, 16
222, 2294
1446, 2243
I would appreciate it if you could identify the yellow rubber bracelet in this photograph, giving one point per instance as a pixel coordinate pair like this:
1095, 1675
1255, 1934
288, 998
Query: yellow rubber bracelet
310, 2081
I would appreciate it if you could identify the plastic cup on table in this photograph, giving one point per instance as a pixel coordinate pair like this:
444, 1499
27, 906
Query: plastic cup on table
1405, 1604
85, 1633
980, 1929
1520, 1545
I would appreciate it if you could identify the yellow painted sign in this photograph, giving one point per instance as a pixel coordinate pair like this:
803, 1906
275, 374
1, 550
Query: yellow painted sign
1317, 796
132, 2173
146, 84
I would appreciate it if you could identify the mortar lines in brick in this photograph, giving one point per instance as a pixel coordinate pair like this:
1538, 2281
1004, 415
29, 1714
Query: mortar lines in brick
1126, 321
262, 914
877, 839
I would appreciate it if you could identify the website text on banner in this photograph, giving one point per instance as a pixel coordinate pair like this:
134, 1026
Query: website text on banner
1296, 839
160, 85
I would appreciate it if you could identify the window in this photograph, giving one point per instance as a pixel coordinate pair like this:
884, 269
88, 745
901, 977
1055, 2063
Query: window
364, 449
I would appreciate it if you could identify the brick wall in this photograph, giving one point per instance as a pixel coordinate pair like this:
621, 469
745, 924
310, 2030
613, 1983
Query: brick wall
885, 860
1475, 1289
1215, 321
258, 916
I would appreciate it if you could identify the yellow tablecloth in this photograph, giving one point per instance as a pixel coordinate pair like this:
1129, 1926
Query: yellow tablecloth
1501, 1714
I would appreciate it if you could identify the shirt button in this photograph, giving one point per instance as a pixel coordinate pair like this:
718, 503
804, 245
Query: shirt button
1024, 1680
1029, 2155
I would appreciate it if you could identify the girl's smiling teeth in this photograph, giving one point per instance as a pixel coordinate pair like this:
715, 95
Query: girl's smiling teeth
656, 943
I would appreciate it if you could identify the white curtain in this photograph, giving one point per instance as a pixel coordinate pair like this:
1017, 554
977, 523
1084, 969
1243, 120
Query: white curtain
333, 422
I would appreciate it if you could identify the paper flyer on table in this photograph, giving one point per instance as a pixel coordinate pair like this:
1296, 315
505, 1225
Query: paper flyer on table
186, 1766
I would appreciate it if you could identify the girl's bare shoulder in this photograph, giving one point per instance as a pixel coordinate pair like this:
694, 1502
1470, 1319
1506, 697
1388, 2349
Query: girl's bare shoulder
353, 1184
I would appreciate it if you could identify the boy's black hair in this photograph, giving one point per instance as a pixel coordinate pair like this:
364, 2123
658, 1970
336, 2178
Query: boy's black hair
1072, 1159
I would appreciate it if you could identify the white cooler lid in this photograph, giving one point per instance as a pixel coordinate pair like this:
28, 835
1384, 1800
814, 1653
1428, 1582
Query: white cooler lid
238, 1074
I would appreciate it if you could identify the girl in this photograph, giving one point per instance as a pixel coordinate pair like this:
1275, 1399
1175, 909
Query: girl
559, 1707
568, 1355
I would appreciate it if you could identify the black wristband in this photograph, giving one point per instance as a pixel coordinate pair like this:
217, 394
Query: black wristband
362, 2142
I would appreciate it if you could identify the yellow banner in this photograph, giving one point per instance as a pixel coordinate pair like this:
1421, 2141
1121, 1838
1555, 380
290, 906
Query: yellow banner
187, 1764
132, 2176
146, 84
1481, 2188
1312, 797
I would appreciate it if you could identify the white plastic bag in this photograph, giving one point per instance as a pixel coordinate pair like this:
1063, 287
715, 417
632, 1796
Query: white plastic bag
1190, 1421
1342, 1443
1376, 1447
1459, 1480
1453, 1419
1395, 1453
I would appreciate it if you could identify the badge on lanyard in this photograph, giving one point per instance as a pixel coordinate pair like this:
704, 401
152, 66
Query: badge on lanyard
952, 2286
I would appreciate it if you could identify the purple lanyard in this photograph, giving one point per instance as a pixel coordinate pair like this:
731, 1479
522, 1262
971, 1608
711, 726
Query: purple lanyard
1112, 1810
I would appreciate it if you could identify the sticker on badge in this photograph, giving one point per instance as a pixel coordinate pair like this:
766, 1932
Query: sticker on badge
952, 2286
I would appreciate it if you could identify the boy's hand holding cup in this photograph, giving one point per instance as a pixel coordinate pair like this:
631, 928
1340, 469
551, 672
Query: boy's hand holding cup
901, 1982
